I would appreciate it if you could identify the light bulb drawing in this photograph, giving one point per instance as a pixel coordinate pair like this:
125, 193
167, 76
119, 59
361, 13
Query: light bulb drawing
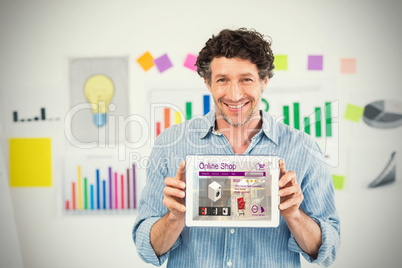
99, 91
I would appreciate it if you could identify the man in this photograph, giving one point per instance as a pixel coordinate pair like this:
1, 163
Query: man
236, 67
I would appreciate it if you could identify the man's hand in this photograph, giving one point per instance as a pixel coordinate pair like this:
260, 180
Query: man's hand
290, 193
305, 230
166, 231
174, 194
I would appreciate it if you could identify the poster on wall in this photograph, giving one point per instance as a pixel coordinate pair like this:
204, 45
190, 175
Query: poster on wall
34, 110
98, 97
96, 184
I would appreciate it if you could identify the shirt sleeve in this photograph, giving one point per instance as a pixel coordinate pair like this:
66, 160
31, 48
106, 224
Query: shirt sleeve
319, 203
151, 207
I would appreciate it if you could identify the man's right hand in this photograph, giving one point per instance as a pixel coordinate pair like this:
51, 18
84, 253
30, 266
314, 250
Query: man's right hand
174, 194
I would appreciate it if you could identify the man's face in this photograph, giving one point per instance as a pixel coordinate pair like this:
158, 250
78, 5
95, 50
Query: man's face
236, 88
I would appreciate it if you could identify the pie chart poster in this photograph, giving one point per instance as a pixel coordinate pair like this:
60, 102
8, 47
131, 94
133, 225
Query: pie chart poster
81, 127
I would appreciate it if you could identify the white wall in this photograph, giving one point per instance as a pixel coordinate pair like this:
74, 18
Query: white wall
38, 37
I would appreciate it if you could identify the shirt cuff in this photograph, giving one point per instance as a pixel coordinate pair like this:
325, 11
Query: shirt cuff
329, 246
143, 243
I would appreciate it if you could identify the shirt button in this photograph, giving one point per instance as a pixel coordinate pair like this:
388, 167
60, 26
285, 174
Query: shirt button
229, 263
232, 231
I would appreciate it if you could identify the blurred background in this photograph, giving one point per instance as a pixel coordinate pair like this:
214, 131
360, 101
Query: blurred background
71, 174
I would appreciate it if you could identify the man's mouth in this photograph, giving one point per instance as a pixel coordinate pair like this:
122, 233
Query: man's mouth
236, 106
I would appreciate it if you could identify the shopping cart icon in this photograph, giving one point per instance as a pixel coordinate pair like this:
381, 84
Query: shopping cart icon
241, 205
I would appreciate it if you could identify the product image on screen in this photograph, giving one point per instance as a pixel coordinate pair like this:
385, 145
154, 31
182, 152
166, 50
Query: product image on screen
234, 190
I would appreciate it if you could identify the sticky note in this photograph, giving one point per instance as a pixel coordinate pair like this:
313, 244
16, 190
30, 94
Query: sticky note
354, 113
30, 162
348, 66
315, 62
281, 62
190, 62
146, 61
163, 63
338, 181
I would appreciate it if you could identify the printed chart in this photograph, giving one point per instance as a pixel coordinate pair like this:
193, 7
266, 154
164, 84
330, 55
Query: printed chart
169, 106
42, 117
96, 184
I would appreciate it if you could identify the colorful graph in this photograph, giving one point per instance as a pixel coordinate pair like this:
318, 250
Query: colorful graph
166, 116
94, 185
41, 117
315, 119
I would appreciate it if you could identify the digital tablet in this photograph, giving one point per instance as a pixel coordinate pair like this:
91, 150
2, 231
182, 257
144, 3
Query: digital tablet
232, 191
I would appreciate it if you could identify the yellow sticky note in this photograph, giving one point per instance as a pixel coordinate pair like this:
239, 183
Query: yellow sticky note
281, 62
354, 113
338, 181
30, 162
146, 61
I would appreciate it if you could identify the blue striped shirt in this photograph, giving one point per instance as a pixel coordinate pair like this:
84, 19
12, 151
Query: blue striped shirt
238, 247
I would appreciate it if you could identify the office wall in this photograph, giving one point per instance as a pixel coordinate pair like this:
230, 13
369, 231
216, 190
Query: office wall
39, 37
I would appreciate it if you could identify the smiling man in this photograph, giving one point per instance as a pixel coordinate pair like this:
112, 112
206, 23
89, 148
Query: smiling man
236, 66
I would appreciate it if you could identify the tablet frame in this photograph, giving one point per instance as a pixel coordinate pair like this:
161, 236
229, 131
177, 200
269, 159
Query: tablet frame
192, 191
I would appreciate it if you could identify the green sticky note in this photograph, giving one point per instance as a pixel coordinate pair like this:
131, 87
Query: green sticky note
281, 62
338, 181
353, 112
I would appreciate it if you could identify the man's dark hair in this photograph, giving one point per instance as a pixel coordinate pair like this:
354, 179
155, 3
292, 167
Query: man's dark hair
242, 43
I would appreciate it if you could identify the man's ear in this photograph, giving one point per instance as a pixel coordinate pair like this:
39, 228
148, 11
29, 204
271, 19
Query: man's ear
265, 83
207, 84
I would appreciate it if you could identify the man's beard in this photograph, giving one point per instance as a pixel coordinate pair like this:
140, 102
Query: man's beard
229, 120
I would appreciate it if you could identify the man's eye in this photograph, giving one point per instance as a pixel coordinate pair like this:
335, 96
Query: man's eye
248, 80
222, 80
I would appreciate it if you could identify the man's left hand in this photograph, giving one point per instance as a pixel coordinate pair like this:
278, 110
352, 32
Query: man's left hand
290, 193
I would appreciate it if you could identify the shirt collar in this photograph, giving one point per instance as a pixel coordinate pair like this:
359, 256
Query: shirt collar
268, 126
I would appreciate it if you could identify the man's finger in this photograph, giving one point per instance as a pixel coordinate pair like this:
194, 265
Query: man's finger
173, 192
180, 171
172, 205
175, 183
288, 177
282, 168
294, 189
294, 201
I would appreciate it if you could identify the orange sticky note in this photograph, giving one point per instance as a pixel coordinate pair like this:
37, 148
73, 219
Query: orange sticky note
348, 66
146, 61
30, 162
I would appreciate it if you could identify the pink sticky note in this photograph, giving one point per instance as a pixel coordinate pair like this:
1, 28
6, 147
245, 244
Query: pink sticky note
163, 63
315, 63
190, 62
348, 66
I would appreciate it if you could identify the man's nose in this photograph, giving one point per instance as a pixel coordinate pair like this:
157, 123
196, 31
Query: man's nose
235, 92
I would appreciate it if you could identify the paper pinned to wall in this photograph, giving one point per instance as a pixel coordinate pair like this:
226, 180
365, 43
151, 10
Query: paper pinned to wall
339, 181
190, 62
315, 63
30, 162
146, 61
281, 62
163, 63
354, 113
348, 66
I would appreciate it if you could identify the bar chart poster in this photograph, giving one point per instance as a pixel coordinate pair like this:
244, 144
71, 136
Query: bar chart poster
33, 110
310, 109
173, 106
98, 184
